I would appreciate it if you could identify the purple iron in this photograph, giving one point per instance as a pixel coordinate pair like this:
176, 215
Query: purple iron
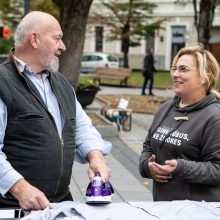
98, 191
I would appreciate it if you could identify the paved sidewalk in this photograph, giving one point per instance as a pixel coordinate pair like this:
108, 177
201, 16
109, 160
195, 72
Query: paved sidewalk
123, 160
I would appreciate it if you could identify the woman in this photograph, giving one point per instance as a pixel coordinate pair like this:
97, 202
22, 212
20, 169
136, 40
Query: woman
182, 150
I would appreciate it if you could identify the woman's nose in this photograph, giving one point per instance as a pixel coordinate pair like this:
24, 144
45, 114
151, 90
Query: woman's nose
175, 73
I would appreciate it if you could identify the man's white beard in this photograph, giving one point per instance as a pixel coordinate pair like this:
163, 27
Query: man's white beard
52, 65
50, 62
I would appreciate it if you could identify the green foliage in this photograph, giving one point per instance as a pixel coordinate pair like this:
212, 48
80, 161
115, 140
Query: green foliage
6, 45
11, 12
131, 19
57, 2
87, 83
162, 80
48, 6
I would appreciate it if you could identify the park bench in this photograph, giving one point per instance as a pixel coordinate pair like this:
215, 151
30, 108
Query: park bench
106, 73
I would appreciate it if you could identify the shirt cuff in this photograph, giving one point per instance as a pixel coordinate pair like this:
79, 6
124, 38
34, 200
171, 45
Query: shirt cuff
82, 151
8, 180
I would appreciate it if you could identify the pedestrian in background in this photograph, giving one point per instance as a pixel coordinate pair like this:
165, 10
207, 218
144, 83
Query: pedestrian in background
182, 150
148, 71
43, 128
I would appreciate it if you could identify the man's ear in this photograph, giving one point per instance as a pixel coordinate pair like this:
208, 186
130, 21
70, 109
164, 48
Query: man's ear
34, 40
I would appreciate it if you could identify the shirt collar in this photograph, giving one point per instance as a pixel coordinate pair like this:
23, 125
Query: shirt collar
22, 65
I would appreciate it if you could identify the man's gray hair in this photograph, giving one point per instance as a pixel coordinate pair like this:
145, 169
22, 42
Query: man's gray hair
22, 30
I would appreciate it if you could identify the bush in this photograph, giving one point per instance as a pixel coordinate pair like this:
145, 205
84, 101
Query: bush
6, 45
87, 83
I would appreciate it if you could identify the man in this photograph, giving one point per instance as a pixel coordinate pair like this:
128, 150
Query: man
41, 122
148, 71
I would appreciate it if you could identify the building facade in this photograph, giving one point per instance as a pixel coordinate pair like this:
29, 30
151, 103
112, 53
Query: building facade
177, 31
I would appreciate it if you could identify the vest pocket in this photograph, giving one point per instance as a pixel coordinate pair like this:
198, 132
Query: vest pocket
30, 116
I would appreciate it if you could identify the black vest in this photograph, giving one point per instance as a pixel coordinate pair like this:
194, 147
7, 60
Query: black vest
32, 143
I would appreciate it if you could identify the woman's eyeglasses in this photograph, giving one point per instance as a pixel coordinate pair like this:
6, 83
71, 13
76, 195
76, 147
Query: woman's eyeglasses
181, 69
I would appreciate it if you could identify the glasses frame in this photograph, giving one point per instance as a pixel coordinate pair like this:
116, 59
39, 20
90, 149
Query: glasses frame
182, 69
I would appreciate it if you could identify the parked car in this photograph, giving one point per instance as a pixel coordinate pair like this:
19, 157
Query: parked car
91, 61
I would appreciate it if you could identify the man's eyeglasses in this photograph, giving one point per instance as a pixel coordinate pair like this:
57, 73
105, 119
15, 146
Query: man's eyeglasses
181, 69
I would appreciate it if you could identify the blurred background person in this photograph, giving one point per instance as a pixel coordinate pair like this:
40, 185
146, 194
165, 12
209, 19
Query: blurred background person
148, 72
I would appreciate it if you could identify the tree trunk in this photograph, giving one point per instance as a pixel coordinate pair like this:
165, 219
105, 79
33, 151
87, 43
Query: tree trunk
204, 25
125, 48
125, 44
73, 20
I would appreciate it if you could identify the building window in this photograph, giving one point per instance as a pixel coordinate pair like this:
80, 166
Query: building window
178, 39
98, 39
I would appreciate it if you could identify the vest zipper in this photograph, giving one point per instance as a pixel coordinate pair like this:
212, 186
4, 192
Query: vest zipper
61, 141
61, 168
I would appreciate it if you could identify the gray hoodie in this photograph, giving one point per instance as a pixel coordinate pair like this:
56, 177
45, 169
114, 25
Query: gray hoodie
195, 143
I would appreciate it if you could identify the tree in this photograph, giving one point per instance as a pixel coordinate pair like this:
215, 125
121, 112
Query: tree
11, 12
48, 6
73, 16
203, 19
73, 20
128, 21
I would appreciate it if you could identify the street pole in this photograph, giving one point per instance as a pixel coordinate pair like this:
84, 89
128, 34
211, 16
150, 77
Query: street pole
26, 7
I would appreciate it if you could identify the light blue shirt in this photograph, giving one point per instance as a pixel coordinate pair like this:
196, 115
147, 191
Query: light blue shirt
87, 137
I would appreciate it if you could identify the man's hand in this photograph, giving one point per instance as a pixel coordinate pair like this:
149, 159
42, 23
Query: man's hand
29, 197
161, 173
97, 163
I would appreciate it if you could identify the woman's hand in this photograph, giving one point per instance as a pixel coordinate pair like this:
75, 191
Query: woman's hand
161, 173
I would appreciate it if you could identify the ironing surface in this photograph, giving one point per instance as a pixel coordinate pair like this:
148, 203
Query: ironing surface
181, 210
